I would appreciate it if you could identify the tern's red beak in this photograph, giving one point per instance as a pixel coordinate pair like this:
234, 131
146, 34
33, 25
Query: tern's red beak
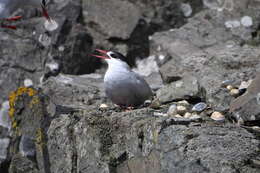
45, 13
104, 52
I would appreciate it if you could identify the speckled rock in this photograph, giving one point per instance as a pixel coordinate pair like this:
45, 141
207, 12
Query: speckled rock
186, 88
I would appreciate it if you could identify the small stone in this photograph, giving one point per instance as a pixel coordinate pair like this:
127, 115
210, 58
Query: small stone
247, 21
229, 87
234, 92
244, 84
232, 24
225, 83
155, 104
159, 114
28, 83
181, 110
217, 116
178, 116
186, 9
172, 110
195, 117
199, 107
102, 106
187, 115
183, 103
50, 25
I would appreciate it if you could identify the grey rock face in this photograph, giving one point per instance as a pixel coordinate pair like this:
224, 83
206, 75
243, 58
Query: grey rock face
207, 50
183, 89
66, 124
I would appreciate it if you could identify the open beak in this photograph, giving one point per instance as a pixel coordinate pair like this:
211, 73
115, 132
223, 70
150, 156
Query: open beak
104, 52
45, 13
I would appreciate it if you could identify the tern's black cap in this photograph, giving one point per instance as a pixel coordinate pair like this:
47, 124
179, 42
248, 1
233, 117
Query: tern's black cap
118, 55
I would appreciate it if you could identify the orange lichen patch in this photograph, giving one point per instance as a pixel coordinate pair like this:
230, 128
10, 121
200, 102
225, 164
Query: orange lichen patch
13, 98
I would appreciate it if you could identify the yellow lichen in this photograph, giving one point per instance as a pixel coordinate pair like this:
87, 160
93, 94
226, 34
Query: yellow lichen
13, 97
39, 137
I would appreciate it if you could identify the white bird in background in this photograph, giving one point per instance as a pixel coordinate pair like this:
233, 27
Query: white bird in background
123, 86
7, 7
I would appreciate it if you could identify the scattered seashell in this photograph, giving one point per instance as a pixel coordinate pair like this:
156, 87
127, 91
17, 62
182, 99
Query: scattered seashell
234, 92
247, 21
172, 110
181, 110
103, 105
187, 115
195, 117
229, 87
199, 107
159, 114
217, 116
178, 116
183, 103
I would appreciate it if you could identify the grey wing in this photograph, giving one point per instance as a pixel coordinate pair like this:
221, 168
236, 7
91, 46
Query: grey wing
142, 89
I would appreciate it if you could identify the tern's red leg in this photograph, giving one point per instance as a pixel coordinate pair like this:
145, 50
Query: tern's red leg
9, 26
13, 18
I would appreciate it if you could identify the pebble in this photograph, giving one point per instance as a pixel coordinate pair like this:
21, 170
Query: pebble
247, 21
217, 116
199, 107
195, 117
225, 83
186, 9
103, 105
159, 114
181, 110
244, 84
234, 92
172, 110
178, 116
183, 103
28, 83
229, 87
187, 115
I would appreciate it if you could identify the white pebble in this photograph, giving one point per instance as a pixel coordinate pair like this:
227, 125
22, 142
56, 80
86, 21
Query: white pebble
50, 25
181, 110
186, 9
28, 83
178, 116
53, 66
244, 84
172, 110
217, 116
232, 24
229, 87
247, 21
187, 115
234, 92
103, 106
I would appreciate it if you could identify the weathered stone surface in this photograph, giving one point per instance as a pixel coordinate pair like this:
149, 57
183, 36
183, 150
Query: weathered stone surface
187, 88
205, 49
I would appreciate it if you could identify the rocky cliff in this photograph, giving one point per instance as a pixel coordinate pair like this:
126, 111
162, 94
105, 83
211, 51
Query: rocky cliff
201, 57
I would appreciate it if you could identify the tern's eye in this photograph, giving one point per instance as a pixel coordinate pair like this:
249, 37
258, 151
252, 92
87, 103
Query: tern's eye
113, 55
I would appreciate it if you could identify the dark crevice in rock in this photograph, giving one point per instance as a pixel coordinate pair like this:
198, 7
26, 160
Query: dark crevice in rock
4, 166
117, 161
72, 139
140, 140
